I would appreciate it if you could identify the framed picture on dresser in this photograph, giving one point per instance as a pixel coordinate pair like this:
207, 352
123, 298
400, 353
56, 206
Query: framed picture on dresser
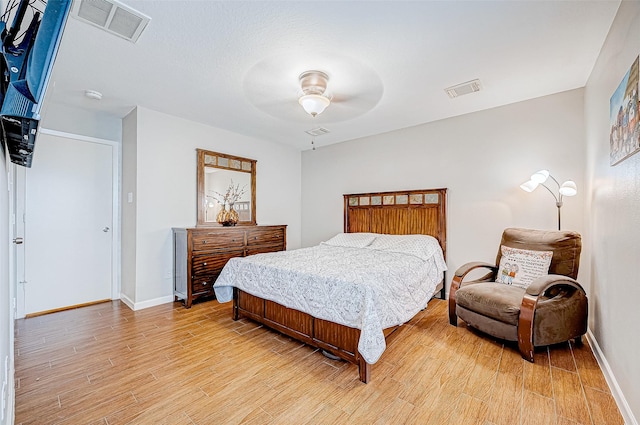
226, 189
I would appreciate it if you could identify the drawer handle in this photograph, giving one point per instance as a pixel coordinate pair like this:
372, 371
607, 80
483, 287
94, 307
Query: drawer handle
204, 242
204, 283
204, 264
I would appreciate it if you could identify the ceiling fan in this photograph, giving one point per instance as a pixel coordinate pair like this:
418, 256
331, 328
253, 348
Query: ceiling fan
314, 86
340, 90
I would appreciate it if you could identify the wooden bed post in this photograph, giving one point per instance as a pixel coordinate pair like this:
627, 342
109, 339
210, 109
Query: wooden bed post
235, 304
364, 369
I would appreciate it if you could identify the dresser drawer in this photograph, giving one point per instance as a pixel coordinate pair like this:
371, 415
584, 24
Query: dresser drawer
217, 240
203, 286
206, 264
251, 250
265, 237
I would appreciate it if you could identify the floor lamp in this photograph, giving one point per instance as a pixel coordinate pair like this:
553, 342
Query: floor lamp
567, 188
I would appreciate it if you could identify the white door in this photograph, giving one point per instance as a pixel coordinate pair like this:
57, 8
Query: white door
68, 224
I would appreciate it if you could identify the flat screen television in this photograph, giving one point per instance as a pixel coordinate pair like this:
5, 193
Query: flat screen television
30, 32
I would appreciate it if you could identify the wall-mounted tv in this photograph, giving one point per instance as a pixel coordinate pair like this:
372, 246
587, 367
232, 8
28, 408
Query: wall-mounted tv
30, 33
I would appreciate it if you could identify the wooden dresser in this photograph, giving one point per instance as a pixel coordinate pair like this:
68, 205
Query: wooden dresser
199, 254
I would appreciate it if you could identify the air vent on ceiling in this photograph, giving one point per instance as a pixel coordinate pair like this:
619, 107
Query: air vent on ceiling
464, 88
112, 16
317, 131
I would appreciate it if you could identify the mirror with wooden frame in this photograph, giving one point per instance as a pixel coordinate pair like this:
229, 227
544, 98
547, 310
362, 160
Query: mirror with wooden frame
225, 179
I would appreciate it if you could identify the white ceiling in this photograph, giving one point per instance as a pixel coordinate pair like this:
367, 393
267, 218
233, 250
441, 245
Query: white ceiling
235, 64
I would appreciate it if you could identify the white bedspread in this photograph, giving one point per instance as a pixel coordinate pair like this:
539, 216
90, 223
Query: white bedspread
381, 285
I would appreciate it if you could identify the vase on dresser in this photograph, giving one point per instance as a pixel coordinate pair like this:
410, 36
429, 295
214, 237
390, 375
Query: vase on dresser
227, 216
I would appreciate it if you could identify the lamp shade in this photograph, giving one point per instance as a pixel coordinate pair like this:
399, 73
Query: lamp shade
540, 177
314, 104
529, 186
568, 188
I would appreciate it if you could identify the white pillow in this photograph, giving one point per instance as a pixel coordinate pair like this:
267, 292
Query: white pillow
519, 267
351, 240
421, 246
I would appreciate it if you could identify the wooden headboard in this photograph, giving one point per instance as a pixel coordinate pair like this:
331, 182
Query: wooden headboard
398, 213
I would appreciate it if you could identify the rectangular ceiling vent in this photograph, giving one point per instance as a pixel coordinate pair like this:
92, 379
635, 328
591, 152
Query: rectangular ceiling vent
112, 16
464, 88
317, 131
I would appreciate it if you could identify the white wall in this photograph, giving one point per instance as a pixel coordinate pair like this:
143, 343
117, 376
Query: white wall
166, 190
482, 159
80, 121
6, 295
613, 219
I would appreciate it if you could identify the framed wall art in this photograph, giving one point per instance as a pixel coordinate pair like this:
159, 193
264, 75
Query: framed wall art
624, 136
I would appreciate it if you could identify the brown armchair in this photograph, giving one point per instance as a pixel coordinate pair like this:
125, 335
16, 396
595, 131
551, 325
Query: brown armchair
552, 309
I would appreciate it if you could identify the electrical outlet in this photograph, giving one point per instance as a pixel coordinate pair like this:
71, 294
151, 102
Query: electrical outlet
168, 274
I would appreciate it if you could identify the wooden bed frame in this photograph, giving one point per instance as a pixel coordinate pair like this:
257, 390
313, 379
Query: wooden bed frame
397, 213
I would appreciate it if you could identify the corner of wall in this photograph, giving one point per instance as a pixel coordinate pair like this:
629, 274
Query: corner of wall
128, 209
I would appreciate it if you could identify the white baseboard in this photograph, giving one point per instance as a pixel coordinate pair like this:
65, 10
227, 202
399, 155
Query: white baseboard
145, 304
128, 301
10, 414
616, 392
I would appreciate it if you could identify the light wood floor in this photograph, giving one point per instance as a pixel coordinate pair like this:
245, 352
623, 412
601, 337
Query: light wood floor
106, 364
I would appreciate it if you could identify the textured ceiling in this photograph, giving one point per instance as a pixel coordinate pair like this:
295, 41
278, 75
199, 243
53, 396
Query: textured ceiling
235, 64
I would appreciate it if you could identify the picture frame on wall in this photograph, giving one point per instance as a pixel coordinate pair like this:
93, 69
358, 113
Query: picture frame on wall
624, 136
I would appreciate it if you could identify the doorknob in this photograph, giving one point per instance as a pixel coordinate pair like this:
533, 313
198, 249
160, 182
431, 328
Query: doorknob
106, 229
18, 241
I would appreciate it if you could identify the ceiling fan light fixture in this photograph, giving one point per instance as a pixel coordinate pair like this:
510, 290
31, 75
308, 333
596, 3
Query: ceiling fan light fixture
314, 86
314, 104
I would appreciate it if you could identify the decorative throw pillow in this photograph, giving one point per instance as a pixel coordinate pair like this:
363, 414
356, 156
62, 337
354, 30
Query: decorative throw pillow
519, 267
351, 240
